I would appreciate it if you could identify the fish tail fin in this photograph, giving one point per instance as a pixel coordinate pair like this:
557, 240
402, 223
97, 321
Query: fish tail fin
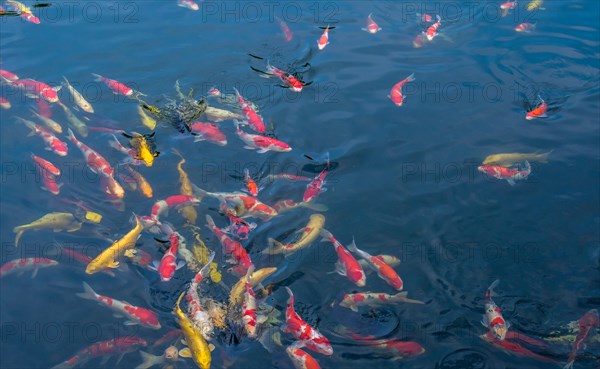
327, 236
66, 81
490, 290
149, 360
291, 298
352, 247
204, 271
115, 143
439, 19
88, 293
543, 158
313, 206
98, 77
210, 222
569, 365
269, 67
198, 192
401, 296
19, 232
410, 78
70, 135
275, 247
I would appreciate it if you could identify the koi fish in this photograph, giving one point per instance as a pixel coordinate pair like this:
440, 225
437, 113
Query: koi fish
142, 184
525, 27
509, 5
245, 206
198, 314
238, 255
396, 92
75, 122
249, 307
284, 176
353, 301
43, 108
208, 131
538, 112
7, 76
399, 349
509, 159
35, 89
287, 32
432, 30
238, 227
301, 359
135, 314
219, 115
147, 120
236, 296
4, 104
118, 346
261, 143
315, 187
346, 264
251, 186
162, 207
515, 348
20, 266
324, 39
52, 142
188, 4
48, 172
117, 87
198, 349
418, 42
535, 4
372, 27
108, 257
302, 331
84, 259
129, 152
49, 122
252, 118
188, 212
285, 205
55, 221
383, 270
492, 319
510, 174
290, 80
78, 97
586, 323
390, 260
168, 264
309, 233
171, 354
143, 148
425, 17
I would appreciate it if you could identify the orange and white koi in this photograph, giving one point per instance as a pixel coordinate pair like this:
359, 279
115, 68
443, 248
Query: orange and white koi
353, 301
525, 27
396, 93
7, 76
432, 30
493, 319
346, 264
300, 358
117, 87
35, 89
384, 271
252, 118
117, 346
43, 108
142, 184
199, 316
20, 266
287, 33
586, 324
302, 331
52, 142
168, 264
162, 207
260, 143
510, 174
372, 27
251, 186
4, 104
315, 187
290, 80
324, 39
538, 112
135, 314
238, 255
399, 349
249, 306
188, 4
48, 172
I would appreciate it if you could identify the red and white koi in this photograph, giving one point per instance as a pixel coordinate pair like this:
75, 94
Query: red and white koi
117, 87
7, 76
372, 27
238, 255
287, 32
418, 41
4, 104
254, 120
324, 39
48, 172
315, 187
586, 324
245, 206
45, 165
20, 266
261, 143
300, 358
290, 80
399, 349
29, 17
44, 108
396, 93
188, 4
538, 112
135, 314
118, 346
198, 314
432, 30
162, 207
52, 142
302, 331
509, 5
249, 306
35, 89
94, 160
510, 174
346, 264
525, 27
208, 131
238, 227
493, 319
384, 271
168, 264
353, 301
515, 349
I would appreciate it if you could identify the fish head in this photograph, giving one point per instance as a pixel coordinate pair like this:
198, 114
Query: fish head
50, 95
347, 301
171, 353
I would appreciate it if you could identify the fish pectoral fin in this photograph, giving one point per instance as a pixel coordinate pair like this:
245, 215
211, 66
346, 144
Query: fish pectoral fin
507, 324
185, 352
340, 269
211, 347
120, 358
510, 181
180, 265
130, 322
129, 253
484, 321
262, 151
113, 264
35, 271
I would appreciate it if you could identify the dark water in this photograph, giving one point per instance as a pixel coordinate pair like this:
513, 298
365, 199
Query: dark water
405, 182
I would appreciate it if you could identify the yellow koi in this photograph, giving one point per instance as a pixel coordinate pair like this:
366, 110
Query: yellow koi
141, 145
309, 234
189, 212
55, 221
142, 183
219, 115
198, 349
108, 258
151, 109
146, 120
201, 253
509, 159
237, 291
535, 4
